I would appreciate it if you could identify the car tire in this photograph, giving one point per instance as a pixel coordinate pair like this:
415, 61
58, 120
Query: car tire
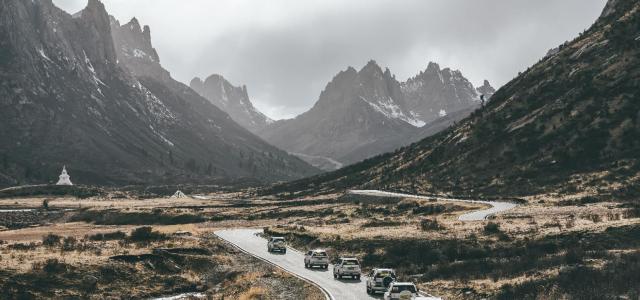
368, 290
284, 251
335, 276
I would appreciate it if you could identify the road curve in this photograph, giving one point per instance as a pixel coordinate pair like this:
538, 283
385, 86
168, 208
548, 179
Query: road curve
478, 215
293, 262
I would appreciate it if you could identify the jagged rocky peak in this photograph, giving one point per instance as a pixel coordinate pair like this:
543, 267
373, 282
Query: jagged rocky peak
133, 41
433, 67
197, 84
435, 93
219, 88
234, 100
216, 80
371, 67
134, 25
146, 33
135, 49
486, 89
95, 33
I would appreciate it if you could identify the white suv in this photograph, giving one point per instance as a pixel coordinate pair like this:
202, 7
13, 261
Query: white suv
316, 258
277, 244
346, 267
379, 280
401, 291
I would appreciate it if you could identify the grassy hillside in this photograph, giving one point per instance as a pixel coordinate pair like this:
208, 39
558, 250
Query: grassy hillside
569, 123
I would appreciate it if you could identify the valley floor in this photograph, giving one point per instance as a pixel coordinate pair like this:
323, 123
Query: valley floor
142, 248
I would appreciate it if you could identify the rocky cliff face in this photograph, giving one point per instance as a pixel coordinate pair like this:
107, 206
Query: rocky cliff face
231, 99
358, 114
69, 96
568, 124
134, 49
434, 93
364, 113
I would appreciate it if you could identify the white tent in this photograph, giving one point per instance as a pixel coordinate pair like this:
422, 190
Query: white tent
179, 194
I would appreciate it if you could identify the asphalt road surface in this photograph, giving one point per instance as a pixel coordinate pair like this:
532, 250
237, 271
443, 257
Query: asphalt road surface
478, 215
293, 262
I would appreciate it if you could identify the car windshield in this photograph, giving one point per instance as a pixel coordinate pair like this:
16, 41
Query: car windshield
351, 262
278, 239
383, 274
402, 288
319, 254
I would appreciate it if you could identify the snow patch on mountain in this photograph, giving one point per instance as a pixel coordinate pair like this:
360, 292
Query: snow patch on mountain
391, 110
41, 52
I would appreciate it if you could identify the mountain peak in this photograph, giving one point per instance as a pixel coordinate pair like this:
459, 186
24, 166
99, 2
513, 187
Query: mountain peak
134, 25
146, 33
96, 33
215, 78
95, 9
234, 100
387, 73
433, 67
135, 49
95, 4
486, 89
197, 84
371, 67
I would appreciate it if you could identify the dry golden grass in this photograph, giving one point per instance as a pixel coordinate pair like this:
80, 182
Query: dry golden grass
254, 293
540, 217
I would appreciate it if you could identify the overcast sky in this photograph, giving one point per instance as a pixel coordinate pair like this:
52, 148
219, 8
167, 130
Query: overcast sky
286, 51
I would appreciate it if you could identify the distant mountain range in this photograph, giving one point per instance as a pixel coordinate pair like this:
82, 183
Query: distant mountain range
568, 124
86, 92
364, 113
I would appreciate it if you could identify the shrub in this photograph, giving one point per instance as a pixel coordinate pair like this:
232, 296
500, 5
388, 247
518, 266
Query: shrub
109, 236
23, 247
492, 228
50, 266
69, 243
51, 240
134, 218
145, 234
428, 224
574, 256
432, 209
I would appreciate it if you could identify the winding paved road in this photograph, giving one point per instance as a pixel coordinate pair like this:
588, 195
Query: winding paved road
478, 215
248, 241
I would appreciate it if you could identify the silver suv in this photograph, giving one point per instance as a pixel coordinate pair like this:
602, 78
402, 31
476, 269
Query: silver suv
401, 291
346, 267
276, 244
379, 280
316, 258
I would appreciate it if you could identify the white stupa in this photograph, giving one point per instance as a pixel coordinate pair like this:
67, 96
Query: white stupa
64, 178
